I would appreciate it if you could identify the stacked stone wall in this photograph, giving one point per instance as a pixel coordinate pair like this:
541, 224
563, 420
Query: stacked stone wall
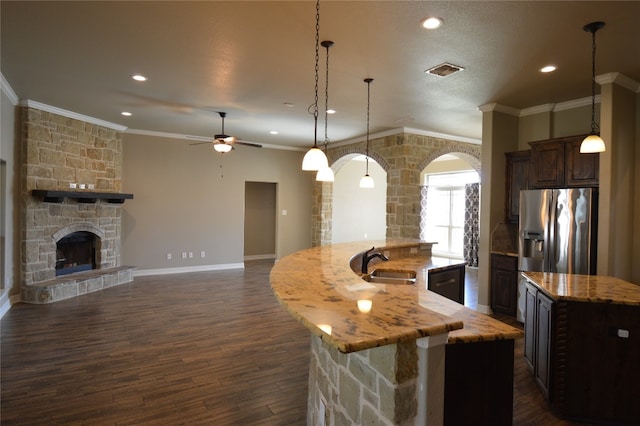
403, 156
57, 152
375, 386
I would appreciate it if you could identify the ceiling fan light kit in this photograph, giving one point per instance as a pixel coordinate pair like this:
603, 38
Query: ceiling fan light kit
593, 142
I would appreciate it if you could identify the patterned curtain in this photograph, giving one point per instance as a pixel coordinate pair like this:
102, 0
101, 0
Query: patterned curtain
423, 212
471, 223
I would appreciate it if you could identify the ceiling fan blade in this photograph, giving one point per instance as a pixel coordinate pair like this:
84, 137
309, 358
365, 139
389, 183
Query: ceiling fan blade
251, 144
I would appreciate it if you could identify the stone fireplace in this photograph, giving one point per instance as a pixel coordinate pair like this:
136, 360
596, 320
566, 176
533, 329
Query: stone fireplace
70, 183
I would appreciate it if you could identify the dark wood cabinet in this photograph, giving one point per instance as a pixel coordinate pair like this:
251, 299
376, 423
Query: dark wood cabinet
547, 164
504, 284
584, 356
538, 336
530, 321
558, 163
582, 169
517, 179
448, 282
543, 335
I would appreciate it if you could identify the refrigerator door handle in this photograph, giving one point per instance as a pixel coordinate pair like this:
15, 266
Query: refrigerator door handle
550, 231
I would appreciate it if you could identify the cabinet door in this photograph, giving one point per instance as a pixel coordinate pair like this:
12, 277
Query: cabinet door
504, 284
448, 283
544, 334
517, 179
547, 164
530, 326
582, 169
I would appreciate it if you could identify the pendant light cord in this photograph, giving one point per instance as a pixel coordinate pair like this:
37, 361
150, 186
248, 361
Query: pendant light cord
317, 58
368, 81
326, 44
594, 126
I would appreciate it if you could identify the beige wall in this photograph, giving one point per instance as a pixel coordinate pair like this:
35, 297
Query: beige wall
356, 211
188, 198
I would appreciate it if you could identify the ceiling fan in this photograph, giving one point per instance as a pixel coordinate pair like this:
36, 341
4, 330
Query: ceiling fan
223, 143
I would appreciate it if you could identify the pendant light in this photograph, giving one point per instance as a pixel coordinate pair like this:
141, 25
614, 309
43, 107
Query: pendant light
367, 181
593, 142
325, 174
315, 159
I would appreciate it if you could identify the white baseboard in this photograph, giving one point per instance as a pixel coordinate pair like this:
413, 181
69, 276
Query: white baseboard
260, 256
184, 269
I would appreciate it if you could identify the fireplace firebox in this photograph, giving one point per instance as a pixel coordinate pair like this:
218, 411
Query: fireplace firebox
76, 252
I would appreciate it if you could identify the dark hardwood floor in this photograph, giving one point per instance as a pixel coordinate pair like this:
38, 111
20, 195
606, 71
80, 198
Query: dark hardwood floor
210, 348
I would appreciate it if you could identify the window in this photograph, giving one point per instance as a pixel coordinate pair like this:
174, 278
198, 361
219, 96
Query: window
445, 211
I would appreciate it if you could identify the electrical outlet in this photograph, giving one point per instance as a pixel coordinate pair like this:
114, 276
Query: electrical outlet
190, 255
168, 256
184, 254
202, 254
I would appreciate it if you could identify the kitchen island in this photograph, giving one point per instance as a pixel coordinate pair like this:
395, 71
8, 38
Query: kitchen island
582, 344
378, 350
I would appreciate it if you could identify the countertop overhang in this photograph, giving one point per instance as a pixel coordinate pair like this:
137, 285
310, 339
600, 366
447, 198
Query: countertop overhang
319, 288
586, 288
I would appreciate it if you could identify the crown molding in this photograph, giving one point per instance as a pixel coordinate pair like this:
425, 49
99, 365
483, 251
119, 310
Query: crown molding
620, 80
8, 90
400, 130
499, 108
70, 114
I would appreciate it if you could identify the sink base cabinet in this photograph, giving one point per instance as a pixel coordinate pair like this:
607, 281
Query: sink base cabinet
584, 357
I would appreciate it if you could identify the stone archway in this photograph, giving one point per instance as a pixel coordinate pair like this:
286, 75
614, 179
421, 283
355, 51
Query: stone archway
402, 156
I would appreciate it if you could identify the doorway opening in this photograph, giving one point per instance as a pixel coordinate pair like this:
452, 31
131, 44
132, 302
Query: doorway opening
260, 220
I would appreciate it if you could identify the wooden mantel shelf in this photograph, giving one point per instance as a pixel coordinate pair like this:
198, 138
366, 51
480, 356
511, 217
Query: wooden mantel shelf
52, 196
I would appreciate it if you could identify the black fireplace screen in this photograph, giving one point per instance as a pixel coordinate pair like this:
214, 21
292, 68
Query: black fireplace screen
76, 252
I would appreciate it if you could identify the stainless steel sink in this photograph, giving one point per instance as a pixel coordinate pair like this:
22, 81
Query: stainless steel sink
391, 276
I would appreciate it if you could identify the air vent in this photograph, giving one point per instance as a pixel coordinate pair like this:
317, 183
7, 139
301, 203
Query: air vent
444, 70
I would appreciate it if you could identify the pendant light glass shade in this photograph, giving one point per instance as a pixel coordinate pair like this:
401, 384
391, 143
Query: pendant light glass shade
325, 174
314, 160
367, 182
593, 143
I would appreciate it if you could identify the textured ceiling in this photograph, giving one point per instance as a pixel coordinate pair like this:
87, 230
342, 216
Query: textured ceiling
252, 58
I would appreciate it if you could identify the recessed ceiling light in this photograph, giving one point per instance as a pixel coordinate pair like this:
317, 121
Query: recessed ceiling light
331, 111
139, 77
274, 132
431, 23
126, 113
548, 68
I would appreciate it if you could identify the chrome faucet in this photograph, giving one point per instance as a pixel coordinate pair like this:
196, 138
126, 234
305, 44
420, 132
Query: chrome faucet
368, 255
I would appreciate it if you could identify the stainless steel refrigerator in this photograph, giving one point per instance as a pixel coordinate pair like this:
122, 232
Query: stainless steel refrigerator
557, 232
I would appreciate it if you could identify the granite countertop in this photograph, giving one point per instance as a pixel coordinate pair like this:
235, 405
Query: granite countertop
586, 288
319, 288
